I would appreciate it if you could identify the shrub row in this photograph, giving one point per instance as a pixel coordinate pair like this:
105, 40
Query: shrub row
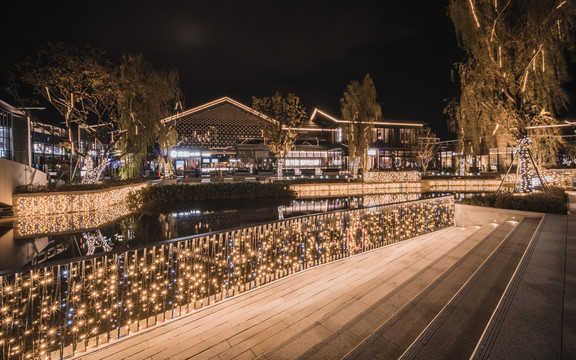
538, 202
79, 187
153, 196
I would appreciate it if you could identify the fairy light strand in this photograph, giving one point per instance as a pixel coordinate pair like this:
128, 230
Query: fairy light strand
55, 310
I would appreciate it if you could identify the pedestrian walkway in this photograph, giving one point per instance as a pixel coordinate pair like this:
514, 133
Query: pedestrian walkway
487, 290
537, 316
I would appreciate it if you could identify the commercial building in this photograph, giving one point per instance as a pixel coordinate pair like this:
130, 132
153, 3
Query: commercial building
392, 143
15, 153
14, 134
226, 135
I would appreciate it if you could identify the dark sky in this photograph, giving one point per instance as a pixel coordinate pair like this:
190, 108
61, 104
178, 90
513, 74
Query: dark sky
244, 48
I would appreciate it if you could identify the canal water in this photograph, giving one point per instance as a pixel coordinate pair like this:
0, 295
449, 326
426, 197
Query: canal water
18, 249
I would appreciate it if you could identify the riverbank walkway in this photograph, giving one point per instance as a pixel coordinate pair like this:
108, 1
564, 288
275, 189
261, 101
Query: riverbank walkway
487, 291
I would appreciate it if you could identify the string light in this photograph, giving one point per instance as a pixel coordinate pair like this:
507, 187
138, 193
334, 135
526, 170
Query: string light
460, 185
392, 176
353, 189
59, 223
524, 167
555, 177
50, 311
70, 202
93, 173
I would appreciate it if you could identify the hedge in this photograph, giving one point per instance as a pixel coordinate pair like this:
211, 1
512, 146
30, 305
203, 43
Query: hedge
538, 202
153, 196
79, 187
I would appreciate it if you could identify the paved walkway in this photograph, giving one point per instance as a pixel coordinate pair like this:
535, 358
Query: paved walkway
537, 316
395, 300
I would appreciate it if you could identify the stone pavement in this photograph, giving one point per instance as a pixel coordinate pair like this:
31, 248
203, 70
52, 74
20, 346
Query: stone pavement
537, 315
338, 309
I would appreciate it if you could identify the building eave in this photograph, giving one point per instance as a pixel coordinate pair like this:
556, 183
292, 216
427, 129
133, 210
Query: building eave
216, 102
388, 123
11, 109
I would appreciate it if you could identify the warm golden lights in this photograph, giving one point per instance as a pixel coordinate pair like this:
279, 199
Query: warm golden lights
59, 310
70, 202
353, 189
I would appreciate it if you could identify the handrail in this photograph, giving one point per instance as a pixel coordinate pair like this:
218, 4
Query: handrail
142, 246
63, 308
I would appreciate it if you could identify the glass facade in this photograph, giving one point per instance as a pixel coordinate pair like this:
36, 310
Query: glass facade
47, 155
5, 135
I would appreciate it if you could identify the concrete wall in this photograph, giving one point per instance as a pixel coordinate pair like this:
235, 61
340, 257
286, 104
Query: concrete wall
477, 215
13, 174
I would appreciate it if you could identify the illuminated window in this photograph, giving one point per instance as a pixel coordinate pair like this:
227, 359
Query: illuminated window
5, 135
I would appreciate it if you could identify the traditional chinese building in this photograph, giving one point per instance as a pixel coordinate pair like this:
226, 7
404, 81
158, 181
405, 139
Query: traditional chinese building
226, 135
392, 140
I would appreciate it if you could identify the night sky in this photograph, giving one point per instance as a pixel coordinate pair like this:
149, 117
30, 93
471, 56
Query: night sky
245, 48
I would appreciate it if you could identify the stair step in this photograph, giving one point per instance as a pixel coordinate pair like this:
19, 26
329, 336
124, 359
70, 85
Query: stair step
391, 339
454, 333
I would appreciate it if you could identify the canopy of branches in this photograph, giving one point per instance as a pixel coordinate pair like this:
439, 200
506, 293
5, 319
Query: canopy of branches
121, 103
286, 115
360, 107
512, 78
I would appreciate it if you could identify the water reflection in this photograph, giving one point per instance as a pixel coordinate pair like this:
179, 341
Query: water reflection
37, 240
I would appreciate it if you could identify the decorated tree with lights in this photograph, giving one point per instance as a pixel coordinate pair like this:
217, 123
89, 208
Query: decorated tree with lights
146, 95
80, 84
118, 107
286, 115
511, 80
360, 109
426, 146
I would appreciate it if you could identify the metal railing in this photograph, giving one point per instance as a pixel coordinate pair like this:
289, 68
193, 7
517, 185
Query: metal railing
55, 311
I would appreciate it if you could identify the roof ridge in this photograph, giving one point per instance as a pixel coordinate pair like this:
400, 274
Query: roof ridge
214, 103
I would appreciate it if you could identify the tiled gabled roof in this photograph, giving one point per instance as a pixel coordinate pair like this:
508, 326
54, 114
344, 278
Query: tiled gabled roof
214, 104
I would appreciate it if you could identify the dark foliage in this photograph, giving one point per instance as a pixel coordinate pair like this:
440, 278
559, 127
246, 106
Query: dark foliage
154, 196
78, 187
538, 202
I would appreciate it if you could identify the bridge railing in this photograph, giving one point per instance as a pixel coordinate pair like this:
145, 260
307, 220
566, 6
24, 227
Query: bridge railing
54, 311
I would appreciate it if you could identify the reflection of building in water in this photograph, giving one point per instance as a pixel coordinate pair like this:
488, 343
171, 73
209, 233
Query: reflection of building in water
303, 207
16, 253
195, 222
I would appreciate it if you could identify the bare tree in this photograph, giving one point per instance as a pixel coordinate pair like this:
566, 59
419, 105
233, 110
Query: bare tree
360, 109
286, 115
127, 101
80, 84
426, 147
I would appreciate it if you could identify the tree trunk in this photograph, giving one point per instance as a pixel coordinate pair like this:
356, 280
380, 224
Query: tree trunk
280, 165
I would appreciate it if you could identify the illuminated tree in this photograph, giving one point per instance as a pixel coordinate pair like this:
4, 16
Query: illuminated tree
426, 147
80, 84
286, 115
127, 101
360, 108
145, 96
511, 80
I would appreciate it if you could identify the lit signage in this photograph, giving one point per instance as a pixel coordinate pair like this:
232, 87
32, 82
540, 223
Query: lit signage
372, 152
184, 154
